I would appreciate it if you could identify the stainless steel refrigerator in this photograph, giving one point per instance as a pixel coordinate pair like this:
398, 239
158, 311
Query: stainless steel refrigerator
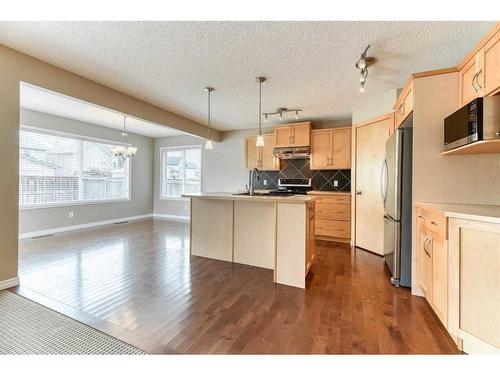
396, 184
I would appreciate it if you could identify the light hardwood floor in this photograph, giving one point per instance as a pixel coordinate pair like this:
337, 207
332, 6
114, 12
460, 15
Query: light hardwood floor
137, 282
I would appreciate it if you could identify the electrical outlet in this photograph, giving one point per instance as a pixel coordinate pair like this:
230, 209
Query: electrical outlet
71, 214
265, 182
335, 183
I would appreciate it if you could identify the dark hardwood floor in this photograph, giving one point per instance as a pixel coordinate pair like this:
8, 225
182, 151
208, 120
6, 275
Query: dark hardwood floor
137, 282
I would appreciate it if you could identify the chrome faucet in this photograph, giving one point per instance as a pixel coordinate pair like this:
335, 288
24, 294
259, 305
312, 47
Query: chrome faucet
252, 180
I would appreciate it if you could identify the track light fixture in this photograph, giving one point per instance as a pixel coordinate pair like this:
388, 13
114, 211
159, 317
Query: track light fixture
280, 111
362, 64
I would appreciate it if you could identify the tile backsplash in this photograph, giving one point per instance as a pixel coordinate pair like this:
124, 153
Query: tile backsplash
299, 168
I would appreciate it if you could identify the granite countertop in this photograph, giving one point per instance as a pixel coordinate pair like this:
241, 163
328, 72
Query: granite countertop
253, 198
467, 211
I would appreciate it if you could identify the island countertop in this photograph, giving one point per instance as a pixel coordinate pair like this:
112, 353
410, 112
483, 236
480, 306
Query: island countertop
299, 199
466, 211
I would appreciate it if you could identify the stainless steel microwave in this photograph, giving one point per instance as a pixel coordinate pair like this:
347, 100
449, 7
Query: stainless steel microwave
477, 121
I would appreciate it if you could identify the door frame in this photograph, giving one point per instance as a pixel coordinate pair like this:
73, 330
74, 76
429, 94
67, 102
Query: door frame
354, 161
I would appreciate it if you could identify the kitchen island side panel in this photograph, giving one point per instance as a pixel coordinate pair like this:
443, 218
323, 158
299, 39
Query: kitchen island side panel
212, 228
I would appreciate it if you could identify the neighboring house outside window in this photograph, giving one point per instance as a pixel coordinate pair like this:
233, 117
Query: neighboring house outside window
180, 171
57, 169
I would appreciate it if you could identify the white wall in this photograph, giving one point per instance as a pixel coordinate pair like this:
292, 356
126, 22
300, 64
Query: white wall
373, 106
222, 168
141, 202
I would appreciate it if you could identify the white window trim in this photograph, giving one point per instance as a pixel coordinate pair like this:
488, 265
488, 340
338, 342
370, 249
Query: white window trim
79, 203
173, 148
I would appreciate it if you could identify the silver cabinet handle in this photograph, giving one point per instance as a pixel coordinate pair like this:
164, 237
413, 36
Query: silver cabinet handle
477, 79
426, 244
402, 109
474, 82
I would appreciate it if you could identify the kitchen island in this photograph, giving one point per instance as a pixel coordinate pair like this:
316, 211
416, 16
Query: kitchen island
269, 231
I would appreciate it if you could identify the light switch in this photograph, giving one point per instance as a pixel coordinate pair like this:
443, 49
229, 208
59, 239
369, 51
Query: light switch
335, 183
265, 182
71, 215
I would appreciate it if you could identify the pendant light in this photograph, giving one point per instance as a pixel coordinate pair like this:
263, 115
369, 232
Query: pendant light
209, 145
123, 150
260, 138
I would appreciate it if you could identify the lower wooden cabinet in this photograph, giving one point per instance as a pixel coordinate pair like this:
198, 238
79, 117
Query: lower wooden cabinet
310, 247
333, 216
433, 260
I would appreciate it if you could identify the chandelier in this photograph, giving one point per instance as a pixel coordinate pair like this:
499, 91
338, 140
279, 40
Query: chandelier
124, 150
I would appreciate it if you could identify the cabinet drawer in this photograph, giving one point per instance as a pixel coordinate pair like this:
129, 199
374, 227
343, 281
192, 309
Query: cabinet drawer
327, 198
335, 211
333, 228
434, 221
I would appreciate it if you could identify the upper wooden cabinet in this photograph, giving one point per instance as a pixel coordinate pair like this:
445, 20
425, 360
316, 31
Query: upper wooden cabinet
479, 73
331, 148
261, 157
491, 65
404, 104
297, 134
471, 79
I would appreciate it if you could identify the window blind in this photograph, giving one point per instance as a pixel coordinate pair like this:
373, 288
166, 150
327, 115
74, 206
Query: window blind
55, 169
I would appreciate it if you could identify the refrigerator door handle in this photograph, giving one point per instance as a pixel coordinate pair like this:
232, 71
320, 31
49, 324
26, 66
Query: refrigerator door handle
384, 187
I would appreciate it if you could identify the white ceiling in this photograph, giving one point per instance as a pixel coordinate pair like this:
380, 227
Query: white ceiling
309, 65
42, 100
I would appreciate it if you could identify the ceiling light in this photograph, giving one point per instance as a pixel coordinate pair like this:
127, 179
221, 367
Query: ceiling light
124, 150
280, 111
260, 138
363, 63
209, 144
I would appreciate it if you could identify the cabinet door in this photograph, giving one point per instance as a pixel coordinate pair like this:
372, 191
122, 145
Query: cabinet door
439, 278
252, 153
321, 149
424, 261
301, 134
283, 136
468, 86
491, 65
269, 162
341, 149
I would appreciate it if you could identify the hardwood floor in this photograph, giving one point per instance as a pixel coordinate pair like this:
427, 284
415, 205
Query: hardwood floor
137, 282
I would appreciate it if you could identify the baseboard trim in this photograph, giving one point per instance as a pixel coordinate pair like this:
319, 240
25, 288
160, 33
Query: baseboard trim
9, 283
83, 226
171, 217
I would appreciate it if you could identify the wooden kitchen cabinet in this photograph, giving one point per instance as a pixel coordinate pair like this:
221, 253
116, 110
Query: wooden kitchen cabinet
433, 260
290, 135
491, 65
404, 104
332, 216
331, 149
471, 79
310, 249
261, 157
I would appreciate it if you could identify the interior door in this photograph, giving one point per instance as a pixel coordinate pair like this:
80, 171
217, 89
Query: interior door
321, 149
369, 211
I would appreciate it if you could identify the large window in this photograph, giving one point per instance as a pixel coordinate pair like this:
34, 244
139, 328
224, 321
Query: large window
180, 171
59, 169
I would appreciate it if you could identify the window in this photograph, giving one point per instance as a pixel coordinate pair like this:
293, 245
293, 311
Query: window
57, 170
180, 171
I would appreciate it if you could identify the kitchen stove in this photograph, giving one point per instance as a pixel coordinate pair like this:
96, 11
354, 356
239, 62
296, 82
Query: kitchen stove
293, 186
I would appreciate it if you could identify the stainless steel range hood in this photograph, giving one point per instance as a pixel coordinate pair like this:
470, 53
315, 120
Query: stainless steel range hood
300, 152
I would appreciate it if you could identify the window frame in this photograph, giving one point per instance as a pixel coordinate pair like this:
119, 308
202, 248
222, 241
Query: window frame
59, 133
162, 172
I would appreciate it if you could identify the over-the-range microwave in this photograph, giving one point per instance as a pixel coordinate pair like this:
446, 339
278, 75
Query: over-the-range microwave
479, 120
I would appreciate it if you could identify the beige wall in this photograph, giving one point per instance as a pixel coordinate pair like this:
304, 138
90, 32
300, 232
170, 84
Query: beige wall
141, 202
370, 106
16, 67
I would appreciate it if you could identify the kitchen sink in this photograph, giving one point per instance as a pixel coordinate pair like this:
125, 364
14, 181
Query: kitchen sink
268, 194
254, 194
